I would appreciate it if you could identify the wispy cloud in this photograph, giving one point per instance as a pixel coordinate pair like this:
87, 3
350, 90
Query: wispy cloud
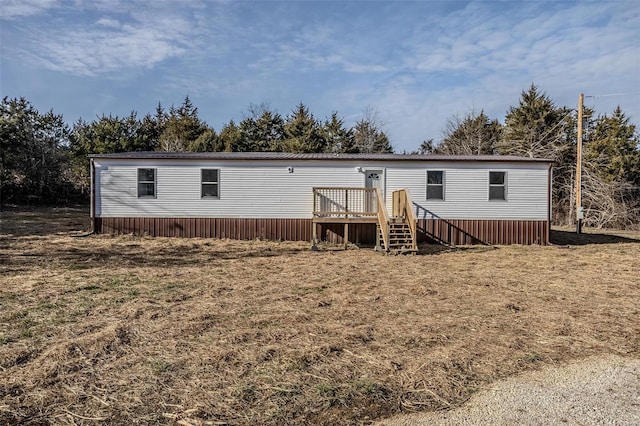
489, 56
16, 8
417, 63
109, 23
94, 52
142, 38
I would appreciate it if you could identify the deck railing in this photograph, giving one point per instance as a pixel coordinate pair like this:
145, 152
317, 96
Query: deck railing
345, 202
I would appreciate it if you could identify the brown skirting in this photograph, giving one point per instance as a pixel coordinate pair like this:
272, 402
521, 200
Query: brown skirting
468, 231
456, 232
233, 228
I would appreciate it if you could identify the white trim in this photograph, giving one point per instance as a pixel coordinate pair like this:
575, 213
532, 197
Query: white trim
426, 185
504, 184
146, 182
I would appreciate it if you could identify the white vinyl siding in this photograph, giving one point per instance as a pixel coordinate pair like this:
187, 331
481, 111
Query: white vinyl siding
467, 186
266, 188
248, 189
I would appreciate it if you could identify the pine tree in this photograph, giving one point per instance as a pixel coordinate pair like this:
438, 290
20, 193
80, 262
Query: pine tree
208, 141
264, 134
536, 128
33, 153
338, 138
613, 148
426, 147
230, 137
302, 132
182, 127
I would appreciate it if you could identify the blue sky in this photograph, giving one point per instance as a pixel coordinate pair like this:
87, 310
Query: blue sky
416, 63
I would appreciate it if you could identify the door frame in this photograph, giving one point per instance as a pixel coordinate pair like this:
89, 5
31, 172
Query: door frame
383, 179
382, 171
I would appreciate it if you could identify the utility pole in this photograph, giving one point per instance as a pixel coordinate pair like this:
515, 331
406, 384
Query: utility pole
579, 209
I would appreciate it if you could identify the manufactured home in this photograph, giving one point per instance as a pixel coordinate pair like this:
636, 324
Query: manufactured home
390, 200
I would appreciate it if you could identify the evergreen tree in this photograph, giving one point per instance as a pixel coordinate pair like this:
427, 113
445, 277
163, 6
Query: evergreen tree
264, 134
230, 138
426, 147
207, 142
611, 172
149, 133
613, 148
338, 138
108, 134
536, 128
302, 132
33, 154
182, 127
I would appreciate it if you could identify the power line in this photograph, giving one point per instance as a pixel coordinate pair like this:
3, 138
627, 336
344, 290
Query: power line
612, 94
561, 121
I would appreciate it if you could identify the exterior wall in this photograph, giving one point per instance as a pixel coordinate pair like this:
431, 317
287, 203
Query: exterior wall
266, 189
247, 189
454, 232
466, 191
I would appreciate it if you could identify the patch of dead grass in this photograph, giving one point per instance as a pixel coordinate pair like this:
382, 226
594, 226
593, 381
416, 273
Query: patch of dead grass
131, 330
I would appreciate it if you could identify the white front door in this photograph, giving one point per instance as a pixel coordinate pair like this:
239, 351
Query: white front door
373, 179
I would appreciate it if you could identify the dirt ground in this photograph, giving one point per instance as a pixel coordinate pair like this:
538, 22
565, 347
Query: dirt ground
136, 330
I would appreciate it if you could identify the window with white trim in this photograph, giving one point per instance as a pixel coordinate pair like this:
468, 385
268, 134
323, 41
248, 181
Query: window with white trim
210, 183
146, 183
435, 185
497, 186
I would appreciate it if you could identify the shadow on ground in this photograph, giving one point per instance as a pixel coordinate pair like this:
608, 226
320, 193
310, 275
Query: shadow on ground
562, 237
21, 221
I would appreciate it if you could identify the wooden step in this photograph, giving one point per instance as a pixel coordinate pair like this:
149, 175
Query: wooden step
400, 238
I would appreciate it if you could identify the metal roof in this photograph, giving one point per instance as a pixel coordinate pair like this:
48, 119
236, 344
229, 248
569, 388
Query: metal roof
324, 156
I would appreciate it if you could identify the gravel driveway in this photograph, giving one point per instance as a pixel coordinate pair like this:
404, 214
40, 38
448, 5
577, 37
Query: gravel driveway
596, 391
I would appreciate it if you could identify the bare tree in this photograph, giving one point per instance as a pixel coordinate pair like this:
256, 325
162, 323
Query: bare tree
369, 135
473, 134
609, 204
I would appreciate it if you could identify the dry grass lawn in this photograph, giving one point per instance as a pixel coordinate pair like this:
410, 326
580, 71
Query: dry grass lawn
130, 330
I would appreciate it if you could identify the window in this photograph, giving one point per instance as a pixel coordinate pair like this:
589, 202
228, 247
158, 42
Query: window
497, 185
146, 183
210, 183
435, 185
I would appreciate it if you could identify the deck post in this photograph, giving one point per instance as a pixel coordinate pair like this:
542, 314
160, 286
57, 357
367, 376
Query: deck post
346, 235
314, 238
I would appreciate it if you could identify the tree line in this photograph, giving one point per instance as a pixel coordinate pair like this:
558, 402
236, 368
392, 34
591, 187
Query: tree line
44, 160
536, 127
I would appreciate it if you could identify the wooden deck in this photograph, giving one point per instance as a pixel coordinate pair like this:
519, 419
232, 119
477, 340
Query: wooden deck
350, 205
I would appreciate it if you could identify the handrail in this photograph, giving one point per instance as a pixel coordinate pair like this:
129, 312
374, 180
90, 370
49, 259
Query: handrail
403, 206
383, 219
411, 217
342, 188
